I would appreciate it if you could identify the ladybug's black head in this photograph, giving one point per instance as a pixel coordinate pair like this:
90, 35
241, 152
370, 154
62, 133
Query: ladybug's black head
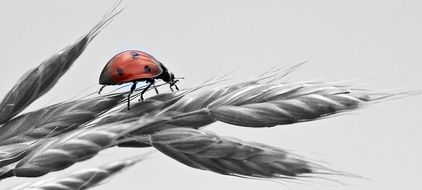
168, 77
173, 81
171, 77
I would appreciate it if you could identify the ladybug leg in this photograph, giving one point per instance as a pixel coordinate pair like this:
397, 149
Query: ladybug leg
131, 91
174, 84
101, 89
144, 90
155, 88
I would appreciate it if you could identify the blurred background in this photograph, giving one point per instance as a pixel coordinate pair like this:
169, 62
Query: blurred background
376, 43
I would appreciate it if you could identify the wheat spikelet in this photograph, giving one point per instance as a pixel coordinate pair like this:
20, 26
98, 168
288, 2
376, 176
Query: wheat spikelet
36, 82
12, 153
228, 156
63, 151
83, 179
55, 119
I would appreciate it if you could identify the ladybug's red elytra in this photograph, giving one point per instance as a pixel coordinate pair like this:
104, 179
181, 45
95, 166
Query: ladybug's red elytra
135, 66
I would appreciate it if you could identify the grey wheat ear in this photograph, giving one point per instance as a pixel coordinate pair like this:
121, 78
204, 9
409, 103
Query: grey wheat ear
60, 152
207, 151
83, 179
259, 105
55, 120
36, 82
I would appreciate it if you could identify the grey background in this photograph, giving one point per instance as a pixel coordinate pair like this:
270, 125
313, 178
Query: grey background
376, 41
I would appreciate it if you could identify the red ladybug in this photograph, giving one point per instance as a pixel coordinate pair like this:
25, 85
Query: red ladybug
134, 66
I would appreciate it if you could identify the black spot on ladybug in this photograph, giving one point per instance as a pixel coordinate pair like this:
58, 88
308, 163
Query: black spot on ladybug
147, 69
120, 71
134, 54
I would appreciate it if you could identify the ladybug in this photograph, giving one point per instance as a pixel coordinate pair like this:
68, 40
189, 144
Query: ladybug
134, 66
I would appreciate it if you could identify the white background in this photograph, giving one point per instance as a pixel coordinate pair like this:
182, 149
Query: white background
377, 40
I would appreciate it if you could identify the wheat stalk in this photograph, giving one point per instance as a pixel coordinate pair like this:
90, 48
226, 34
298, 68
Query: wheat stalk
36, 82
83, 179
